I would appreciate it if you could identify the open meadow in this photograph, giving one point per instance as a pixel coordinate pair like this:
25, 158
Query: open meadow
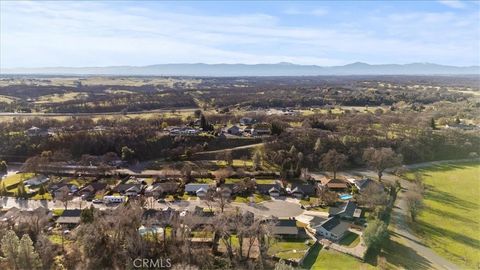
449, 223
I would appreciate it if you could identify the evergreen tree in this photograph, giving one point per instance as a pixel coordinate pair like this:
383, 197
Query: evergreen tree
9, 246
28, 258
87, 215
432, 124
3, 166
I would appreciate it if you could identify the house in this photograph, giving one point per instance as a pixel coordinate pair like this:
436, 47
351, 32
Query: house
234, 188
69, 217
285, 228
273, 190
333, 228
15, 215
183, 131
36, 181
261, 129
334, 184
462, 126
199, 217
91, 190
363, 184
226, 192
36, 131
159, 217
132, 189
301, 191
199, 190
246, 121
60, 190
344, 210
161, 189
234, 130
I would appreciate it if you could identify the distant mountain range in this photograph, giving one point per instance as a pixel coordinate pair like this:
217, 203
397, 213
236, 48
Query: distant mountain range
280, 69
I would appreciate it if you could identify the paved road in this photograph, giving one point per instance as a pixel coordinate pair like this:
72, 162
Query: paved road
229, 149
40, 114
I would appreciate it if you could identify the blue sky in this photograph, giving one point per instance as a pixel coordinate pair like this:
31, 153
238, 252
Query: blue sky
87, 33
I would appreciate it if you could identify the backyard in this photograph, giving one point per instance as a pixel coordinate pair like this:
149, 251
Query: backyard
320, 258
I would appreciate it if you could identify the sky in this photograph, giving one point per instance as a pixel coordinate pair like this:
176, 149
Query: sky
113, 33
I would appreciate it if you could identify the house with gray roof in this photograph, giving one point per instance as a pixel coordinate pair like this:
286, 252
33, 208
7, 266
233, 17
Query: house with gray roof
286, 228
333, 228
344, 210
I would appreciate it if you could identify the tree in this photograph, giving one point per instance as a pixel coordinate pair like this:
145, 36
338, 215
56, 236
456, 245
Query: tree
204, 125
127, 154
19, 253
46, 251
381, 159
326, 196
414, 204
198, 113
3, 166
28, 258
333, 161
87, 215
42, 191
257, 160
372, 196
277, 127
432, 124
65, 197
318, 146
9, 246
375, 233
21, 191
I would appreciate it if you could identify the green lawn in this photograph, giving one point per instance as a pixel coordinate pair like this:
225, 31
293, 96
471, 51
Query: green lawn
319, 258
350, 240
46, 196
257, 198
289, 249
449, 223
16, 178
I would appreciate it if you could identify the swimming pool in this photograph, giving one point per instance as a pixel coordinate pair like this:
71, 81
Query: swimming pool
345, 196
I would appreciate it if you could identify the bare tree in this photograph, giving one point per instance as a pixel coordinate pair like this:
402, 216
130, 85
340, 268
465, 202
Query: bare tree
414, 204
372, 196
333, 161
381, 159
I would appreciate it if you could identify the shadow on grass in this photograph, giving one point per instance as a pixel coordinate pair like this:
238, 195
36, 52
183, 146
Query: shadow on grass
437, 232
450, 215
403, 257
446, 167
449, 199
309, 261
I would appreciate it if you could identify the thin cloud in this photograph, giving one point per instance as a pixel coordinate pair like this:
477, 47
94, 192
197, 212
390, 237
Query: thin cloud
95, 34
452, 3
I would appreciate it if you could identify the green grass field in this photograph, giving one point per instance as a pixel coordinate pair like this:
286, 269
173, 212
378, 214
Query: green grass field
319, 258
449, 223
